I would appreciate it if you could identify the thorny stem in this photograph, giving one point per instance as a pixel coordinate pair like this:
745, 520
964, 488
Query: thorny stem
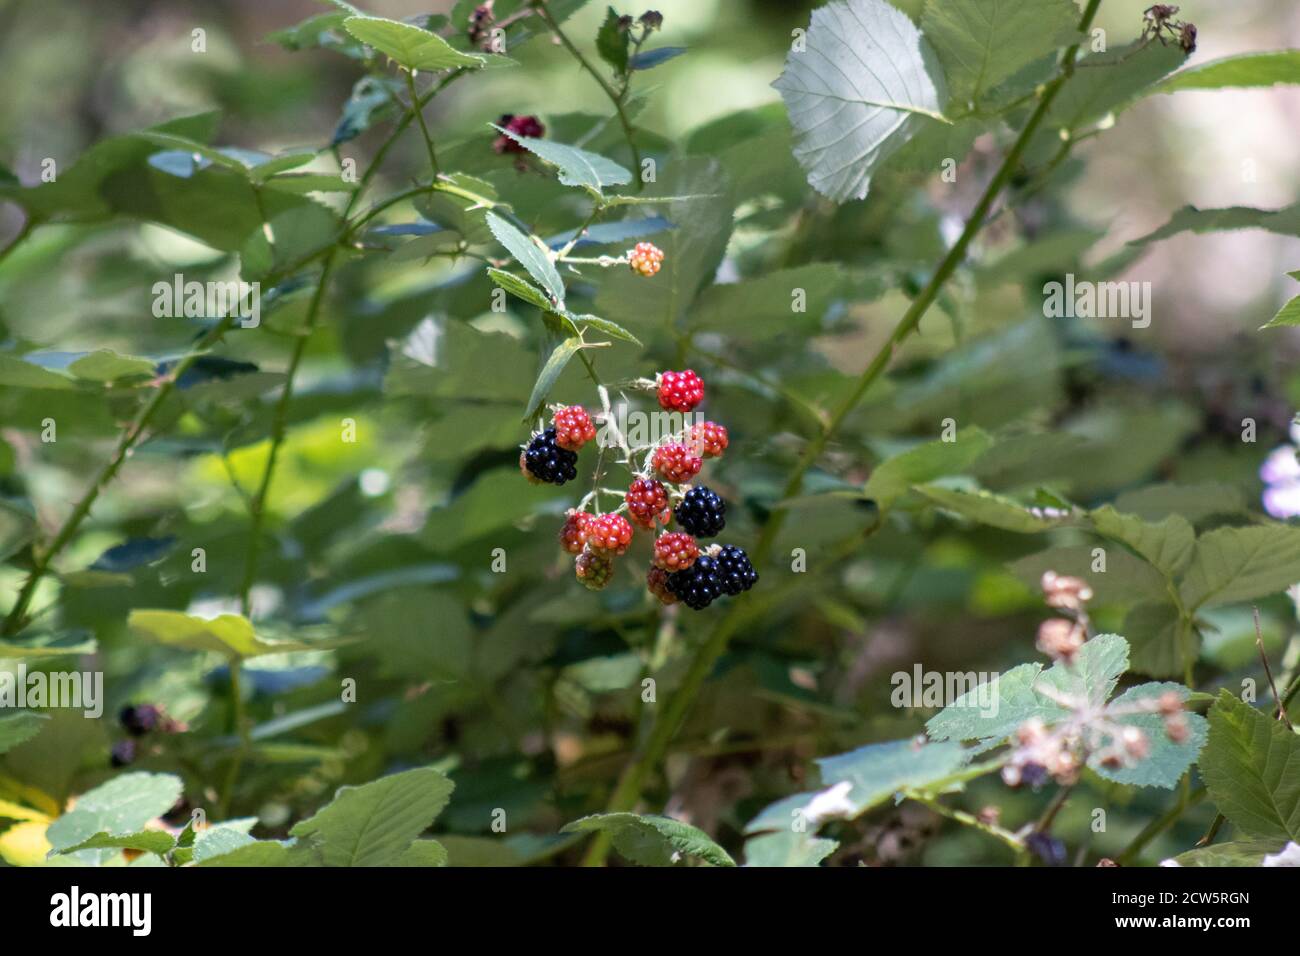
616, 98
970, 820
628, 790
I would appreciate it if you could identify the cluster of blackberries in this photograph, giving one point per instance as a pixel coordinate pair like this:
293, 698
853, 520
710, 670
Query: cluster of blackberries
681, 569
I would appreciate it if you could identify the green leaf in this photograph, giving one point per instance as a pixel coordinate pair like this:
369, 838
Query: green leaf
763, 307
1285, 221
562, 344
861, 779
20, 727
229, 634
121, 806
1245, 70
492, 503
1251, 766
153, 841
529, 254
604, 325
864, 85
612, 42
1152, 631
996, 511
1238, 853
105, 365
376, 823
983, 42
787, 848
423, 853
1126, 579
575, 167
1288, 315
1168, 546
650, 840
1239, 564
1194, 502
693, 194
16, 373
895, 476
1166, 762
409, 46
1108, 82
992, 713
520, 288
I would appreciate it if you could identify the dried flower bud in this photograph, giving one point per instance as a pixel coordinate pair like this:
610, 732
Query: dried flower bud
1135, 743
1187, 38
1059, 639
652, 20
1032, 731
1177, 728
989, 816
1106, 861
1063, 591
1169, 703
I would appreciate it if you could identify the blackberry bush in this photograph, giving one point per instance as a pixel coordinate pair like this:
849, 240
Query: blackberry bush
363, 422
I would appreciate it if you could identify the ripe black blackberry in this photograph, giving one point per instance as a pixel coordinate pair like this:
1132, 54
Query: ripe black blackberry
735, 573
698, 586
702, 512
548, 462
140, 719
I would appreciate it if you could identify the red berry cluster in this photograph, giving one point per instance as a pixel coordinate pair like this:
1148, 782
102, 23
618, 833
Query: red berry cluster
681, 568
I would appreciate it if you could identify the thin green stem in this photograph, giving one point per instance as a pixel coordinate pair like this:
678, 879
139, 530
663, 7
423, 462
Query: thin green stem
257, 506
629, 133
628, 790
417, 108
28, 227
1160, 825
970, 820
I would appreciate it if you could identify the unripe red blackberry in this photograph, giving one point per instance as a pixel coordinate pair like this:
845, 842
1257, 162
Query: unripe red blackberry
573, 427
573, 535
680, 391
675, 551
608, 535
656, 581
593, 570
708, 439
529, 126
647, 503
674, 462
645, 259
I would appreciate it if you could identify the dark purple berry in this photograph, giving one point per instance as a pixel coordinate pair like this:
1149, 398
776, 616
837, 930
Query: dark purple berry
698, 586
123, 753
701, 512
548, 462
735, 573
139, 720
1047, 848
